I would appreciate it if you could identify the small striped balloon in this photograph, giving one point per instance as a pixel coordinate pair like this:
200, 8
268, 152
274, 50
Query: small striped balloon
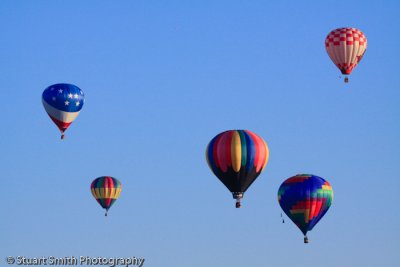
106, 191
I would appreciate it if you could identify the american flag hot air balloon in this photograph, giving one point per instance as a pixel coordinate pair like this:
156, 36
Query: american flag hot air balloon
63, 102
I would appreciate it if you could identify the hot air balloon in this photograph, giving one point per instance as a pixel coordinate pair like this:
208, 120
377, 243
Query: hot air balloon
305, 199
63, 103
346, 47
106, 191
237, 157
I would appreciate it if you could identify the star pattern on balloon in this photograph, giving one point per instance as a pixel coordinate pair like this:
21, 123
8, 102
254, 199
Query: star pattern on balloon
63, 103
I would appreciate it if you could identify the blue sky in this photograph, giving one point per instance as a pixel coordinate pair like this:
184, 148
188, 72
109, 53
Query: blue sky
161, 78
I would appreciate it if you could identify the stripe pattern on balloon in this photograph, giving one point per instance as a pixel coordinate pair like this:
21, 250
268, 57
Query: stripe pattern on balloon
237, 157
106, 190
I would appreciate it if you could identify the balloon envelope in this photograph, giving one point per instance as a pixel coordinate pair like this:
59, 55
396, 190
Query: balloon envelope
346, 47
237, 157
63, 103
106, 190
305, 199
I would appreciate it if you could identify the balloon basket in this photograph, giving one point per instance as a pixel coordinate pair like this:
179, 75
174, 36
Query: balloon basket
346, 79
238, 196
305, 240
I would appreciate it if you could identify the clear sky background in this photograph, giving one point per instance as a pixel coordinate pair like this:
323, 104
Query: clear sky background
161, 79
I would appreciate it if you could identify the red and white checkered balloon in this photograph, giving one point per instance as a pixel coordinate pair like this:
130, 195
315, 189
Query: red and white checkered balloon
346, 47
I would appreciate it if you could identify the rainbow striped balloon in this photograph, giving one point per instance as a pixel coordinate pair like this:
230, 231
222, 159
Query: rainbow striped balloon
305, 199
237, 157
106, 191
